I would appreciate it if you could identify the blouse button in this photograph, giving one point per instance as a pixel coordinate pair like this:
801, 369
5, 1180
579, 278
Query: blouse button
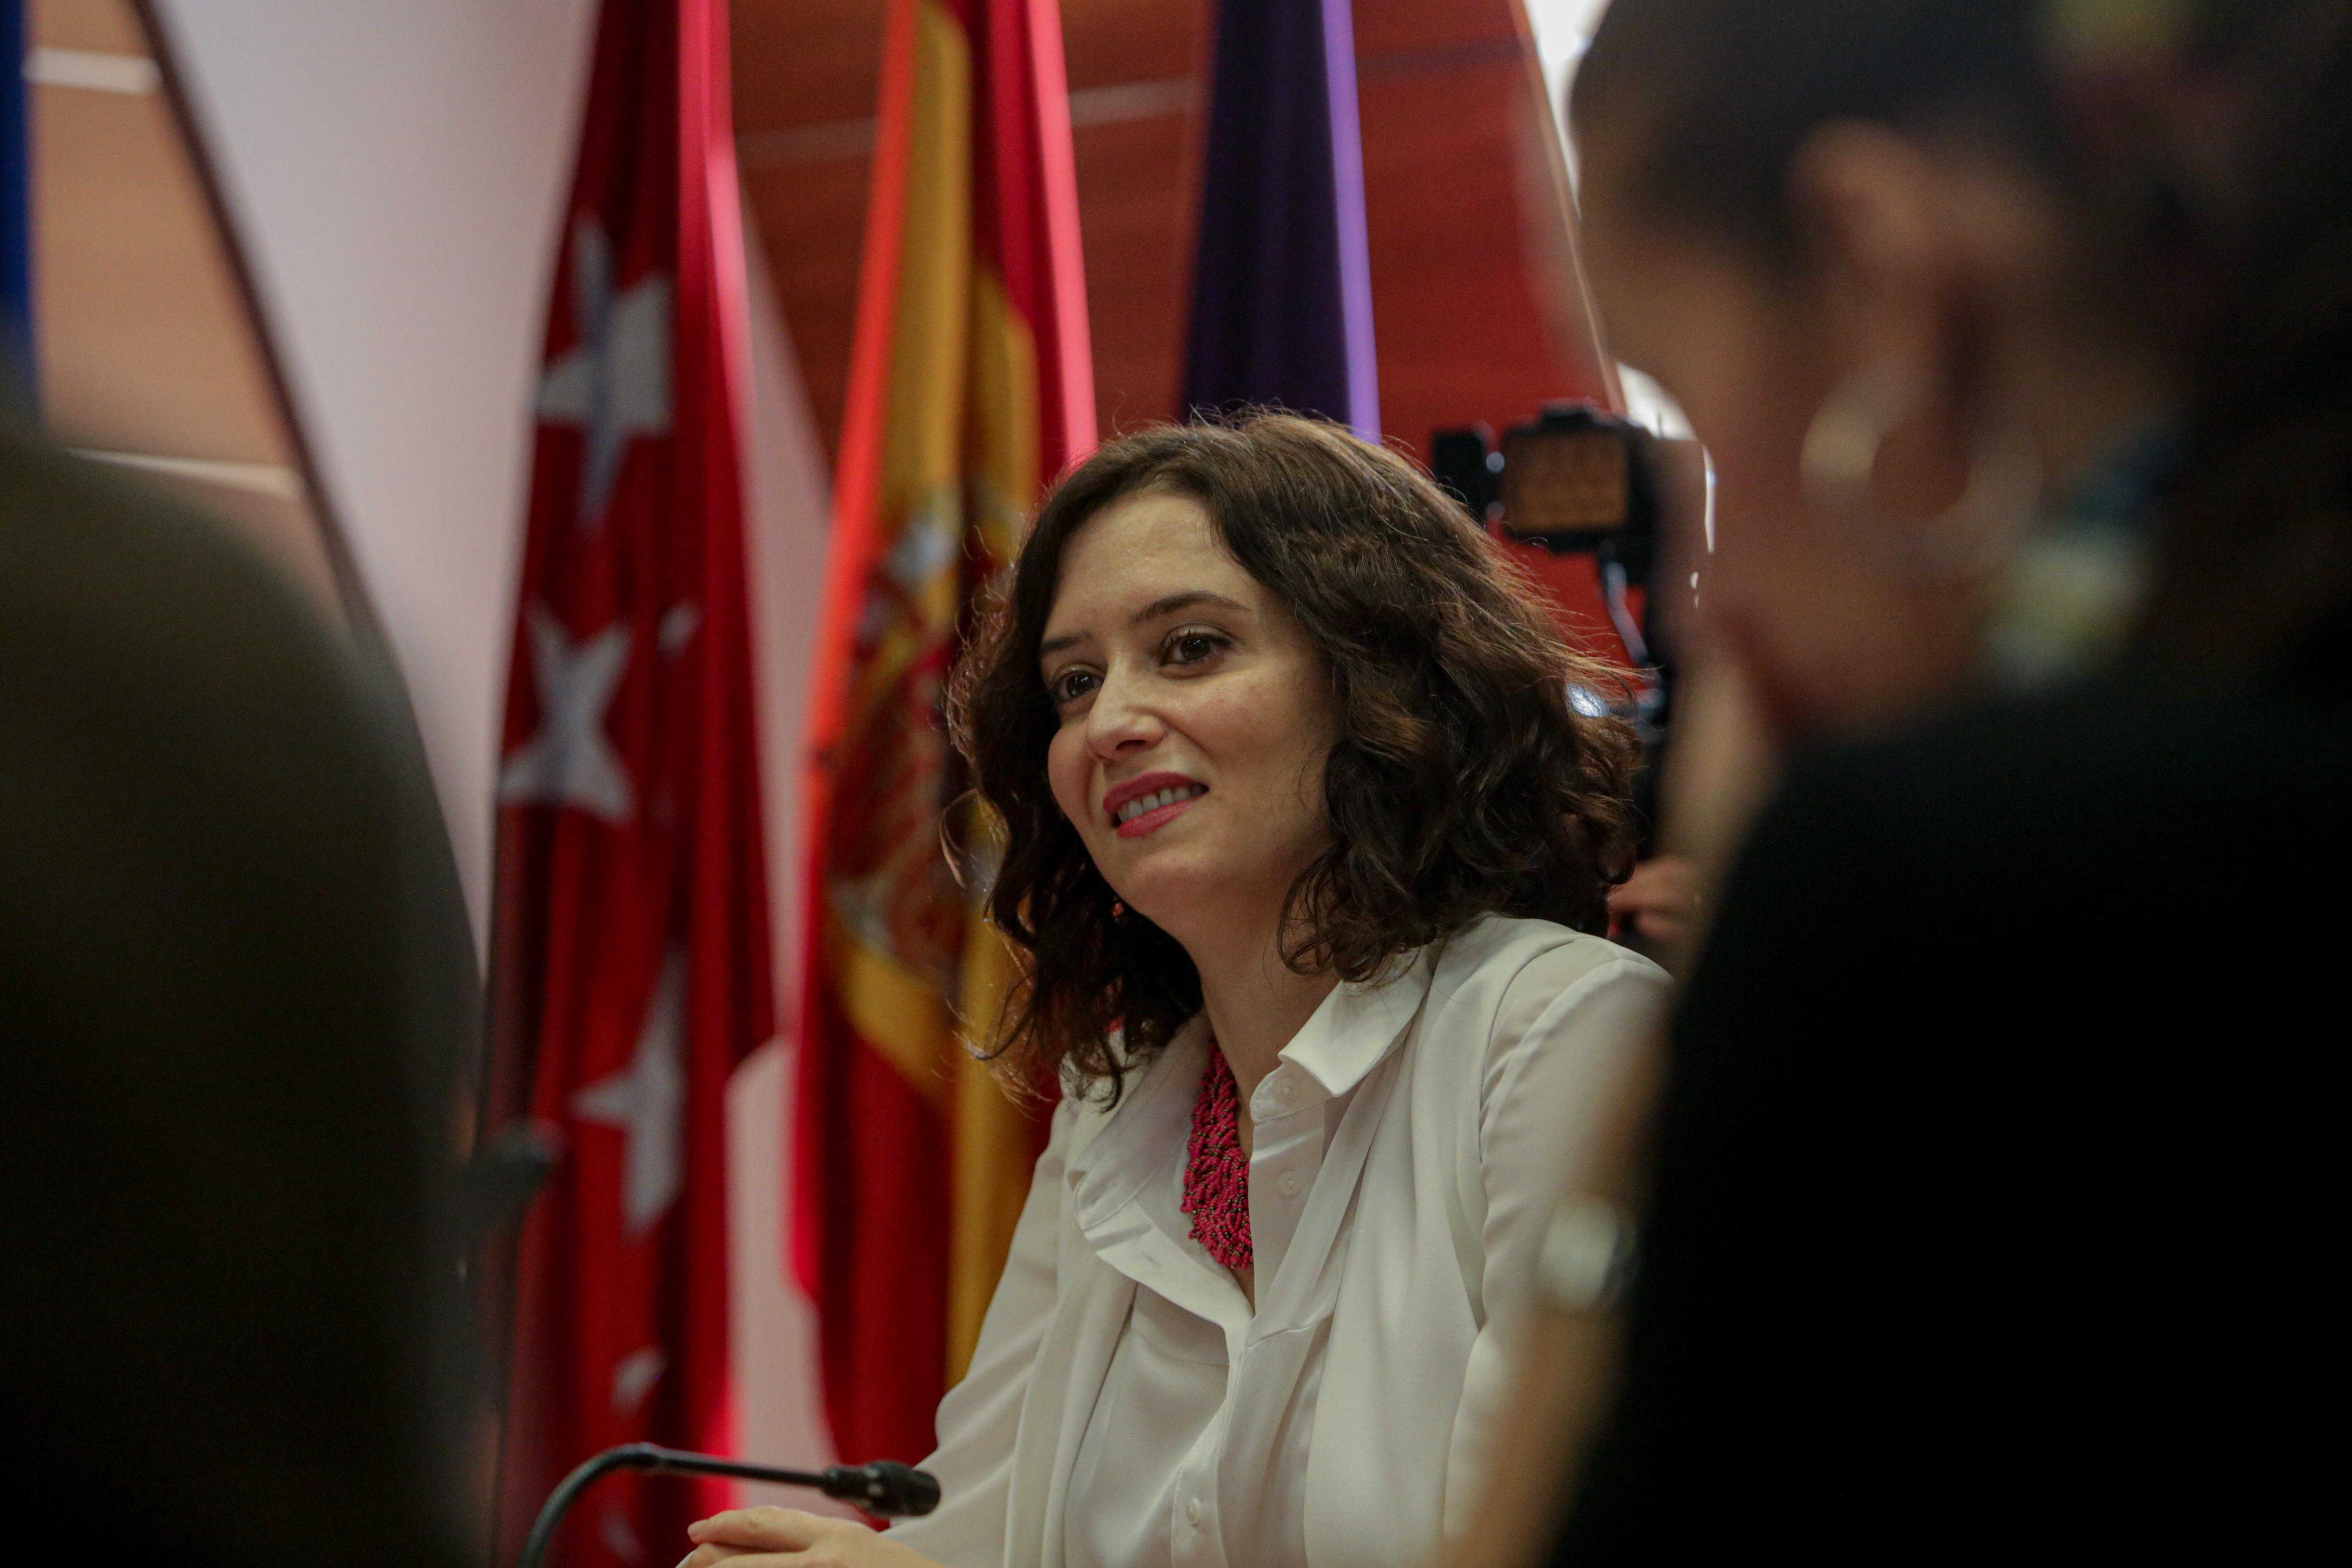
1192, 1510
1288, 1183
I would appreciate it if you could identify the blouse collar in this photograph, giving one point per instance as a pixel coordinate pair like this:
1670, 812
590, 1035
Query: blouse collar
1356, 1027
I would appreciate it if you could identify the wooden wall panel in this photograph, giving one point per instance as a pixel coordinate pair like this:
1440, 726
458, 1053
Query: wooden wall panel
1414, 27
1463, 231
803, 62
1457, 214
1136, 214
1136, 196
1110, 41
811, 219
804, 83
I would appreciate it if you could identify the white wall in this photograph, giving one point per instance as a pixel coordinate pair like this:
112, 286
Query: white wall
396, 168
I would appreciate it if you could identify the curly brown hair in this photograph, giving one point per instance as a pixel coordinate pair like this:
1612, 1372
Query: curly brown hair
1462, 781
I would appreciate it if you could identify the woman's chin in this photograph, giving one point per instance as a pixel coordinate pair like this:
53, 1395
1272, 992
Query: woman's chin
1190, 898
1162, 880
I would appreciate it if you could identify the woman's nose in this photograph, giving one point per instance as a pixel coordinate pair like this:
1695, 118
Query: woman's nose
1118, 721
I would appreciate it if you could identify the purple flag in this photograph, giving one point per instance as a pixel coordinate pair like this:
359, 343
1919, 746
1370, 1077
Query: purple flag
1282, 281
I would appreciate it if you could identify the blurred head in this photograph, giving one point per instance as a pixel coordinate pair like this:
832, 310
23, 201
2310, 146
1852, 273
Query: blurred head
1268, 678
1963, 246
236, 1004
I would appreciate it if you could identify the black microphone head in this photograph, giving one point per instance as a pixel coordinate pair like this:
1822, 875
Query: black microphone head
885, 1487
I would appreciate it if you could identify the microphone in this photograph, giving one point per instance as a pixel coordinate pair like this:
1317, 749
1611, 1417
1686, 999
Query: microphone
884, 1487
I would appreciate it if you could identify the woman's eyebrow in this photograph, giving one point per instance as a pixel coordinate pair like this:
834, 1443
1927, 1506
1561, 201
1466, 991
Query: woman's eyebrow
1175, 602
1151, 612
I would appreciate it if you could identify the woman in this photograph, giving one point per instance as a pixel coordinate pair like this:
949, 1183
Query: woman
1989, 1164
1304, 848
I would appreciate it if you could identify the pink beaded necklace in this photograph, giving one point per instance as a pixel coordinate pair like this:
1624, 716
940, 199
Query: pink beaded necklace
1216, 1172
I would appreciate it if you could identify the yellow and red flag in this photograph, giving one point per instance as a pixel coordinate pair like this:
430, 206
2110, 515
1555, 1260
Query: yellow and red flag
970, 388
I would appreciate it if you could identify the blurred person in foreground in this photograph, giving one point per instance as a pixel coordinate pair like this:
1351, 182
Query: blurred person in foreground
1988, 1198
234, 986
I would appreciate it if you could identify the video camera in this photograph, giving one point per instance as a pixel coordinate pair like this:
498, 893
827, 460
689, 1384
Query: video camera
1578, 492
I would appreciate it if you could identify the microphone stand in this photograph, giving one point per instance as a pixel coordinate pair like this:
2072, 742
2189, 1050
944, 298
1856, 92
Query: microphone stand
884, 1487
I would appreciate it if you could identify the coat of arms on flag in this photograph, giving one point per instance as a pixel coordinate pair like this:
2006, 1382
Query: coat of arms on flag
971, 387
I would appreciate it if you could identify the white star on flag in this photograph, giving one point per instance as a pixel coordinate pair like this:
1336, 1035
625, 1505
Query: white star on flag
648, 1102
678, 626
634, 1377
620, 1536
615, 382
571, 760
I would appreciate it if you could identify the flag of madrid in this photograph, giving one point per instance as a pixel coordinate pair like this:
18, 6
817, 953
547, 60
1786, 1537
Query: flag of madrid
630, 969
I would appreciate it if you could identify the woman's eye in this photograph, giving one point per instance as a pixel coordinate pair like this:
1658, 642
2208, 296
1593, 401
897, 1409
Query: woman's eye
1071, 685
1191, 647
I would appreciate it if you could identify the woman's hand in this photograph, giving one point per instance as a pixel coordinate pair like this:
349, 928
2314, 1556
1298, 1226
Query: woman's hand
787, 1538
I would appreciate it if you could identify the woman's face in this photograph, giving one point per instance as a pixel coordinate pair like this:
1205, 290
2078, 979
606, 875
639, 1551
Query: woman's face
1195, 718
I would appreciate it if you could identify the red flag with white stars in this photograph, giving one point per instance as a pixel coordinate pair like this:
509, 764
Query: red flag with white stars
631, 965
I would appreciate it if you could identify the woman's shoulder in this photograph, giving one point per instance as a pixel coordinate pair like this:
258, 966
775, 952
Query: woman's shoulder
1505, 976
1519, 953
1528, 1014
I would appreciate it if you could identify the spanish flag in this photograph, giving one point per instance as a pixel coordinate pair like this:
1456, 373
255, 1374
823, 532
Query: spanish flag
970, 388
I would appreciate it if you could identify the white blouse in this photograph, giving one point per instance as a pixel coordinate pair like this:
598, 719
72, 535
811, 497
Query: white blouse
1126, 1409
